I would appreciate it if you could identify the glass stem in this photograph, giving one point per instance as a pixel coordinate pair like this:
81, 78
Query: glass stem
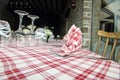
32, 25
20, 23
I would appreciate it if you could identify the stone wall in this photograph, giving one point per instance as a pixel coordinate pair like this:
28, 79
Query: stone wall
87, 16
81, 17
76, 14
86, 28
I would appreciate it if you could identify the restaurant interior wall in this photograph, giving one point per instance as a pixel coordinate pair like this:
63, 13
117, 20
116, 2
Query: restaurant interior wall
98, 16
81, 16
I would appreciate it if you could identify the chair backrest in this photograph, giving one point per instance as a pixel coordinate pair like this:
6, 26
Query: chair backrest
109, 37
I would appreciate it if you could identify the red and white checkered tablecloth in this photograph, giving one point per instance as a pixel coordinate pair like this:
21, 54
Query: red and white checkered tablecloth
39, 63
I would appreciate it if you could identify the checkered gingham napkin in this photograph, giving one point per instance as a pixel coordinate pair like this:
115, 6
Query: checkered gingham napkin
38, 63
73, 40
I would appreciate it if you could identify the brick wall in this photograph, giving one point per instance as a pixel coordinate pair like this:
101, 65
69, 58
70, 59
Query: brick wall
81, 17
86, 28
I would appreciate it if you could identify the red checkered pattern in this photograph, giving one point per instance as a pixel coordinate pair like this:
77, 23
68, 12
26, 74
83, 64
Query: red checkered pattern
73, 40
39, 63
70, 32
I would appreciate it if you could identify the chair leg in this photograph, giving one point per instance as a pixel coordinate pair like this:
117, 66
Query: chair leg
118, 57
98, 45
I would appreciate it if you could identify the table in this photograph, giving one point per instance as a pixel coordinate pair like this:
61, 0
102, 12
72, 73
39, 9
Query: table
39, 63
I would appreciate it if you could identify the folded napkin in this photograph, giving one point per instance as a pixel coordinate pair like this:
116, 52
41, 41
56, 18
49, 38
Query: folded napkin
70, 32
73, 41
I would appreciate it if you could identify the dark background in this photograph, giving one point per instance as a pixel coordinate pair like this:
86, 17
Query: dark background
52, 13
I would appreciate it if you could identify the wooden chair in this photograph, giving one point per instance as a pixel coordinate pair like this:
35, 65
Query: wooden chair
118, 57
109, 37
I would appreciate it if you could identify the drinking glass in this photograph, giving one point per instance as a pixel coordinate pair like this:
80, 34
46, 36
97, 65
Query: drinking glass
20, 35
21, 15
40, 35
5, 33
32, 17
30, 36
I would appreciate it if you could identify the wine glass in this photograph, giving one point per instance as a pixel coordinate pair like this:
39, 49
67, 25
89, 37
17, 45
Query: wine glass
21, 15
32, 17
5, 33
30, 36
20, 36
